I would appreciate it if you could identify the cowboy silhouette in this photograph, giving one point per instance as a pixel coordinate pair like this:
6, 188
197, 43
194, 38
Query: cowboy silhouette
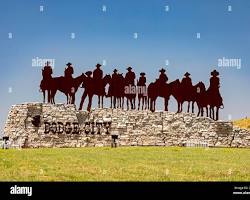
45, 84
163, 77
141, 96
97, 77
69, 71
142, 79
97, 73
114, 76
186, 82
214, 80
47, 71
89, 90
215, 99
113, 88
130, 77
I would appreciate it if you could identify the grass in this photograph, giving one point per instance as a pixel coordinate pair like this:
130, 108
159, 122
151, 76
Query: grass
243, 123
125, 164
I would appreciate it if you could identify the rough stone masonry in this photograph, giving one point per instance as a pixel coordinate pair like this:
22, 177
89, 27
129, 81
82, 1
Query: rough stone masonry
33, 125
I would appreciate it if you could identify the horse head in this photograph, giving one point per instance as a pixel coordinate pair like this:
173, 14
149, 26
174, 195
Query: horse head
200, 87
107, 79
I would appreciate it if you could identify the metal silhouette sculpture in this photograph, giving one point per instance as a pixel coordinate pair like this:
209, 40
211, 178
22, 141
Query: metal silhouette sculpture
124, 87
45, 83
141, 83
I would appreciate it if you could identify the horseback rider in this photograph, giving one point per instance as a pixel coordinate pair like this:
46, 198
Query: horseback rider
68, 72
214, 81
130, 77
142, 79
46, 81
47, 71
163, 77
186, 82
115, 76
215, 99
214, 86
97, 77
113, 84
97, 73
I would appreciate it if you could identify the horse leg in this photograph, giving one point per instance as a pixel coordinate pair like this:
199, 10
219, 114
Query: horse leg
53, 93
212, 113
151, 105
193, 106
43, 96
207, 110
217, 113
131, 104
166, 104
202, 111
111, 100
82, 100
143, 102
114, 102
139, 101
90, 102
148, 103
73, 98
127, 104
102, 101
188, 106
181, 104
98, 101
199, 110
48, 96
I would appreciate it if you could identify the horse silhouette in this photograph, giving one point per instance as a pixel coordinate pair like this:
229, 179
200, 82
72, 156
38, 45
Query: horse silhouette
99, 90
91, 90
158, 89
201, 98
44, 86
61, 84
45, 82
116, 91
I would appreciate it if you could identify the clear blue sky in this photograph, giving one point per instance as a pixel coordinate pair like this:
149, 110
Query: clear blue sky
109, 35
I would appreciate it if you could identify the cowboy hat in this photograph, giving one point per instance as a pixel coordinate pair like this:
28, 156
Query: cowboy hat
142, 73
68, 64
129, 68
162, 70
88, 73
186, 74
215, 73
98, 65
115, 70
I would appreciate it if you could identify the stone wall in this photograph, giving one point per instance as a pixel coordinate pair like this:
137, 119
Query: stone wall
45, 125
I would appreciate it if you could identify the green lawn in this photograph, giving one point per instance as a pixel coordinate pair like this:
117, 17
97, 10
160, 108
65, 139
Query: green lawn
125, 164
